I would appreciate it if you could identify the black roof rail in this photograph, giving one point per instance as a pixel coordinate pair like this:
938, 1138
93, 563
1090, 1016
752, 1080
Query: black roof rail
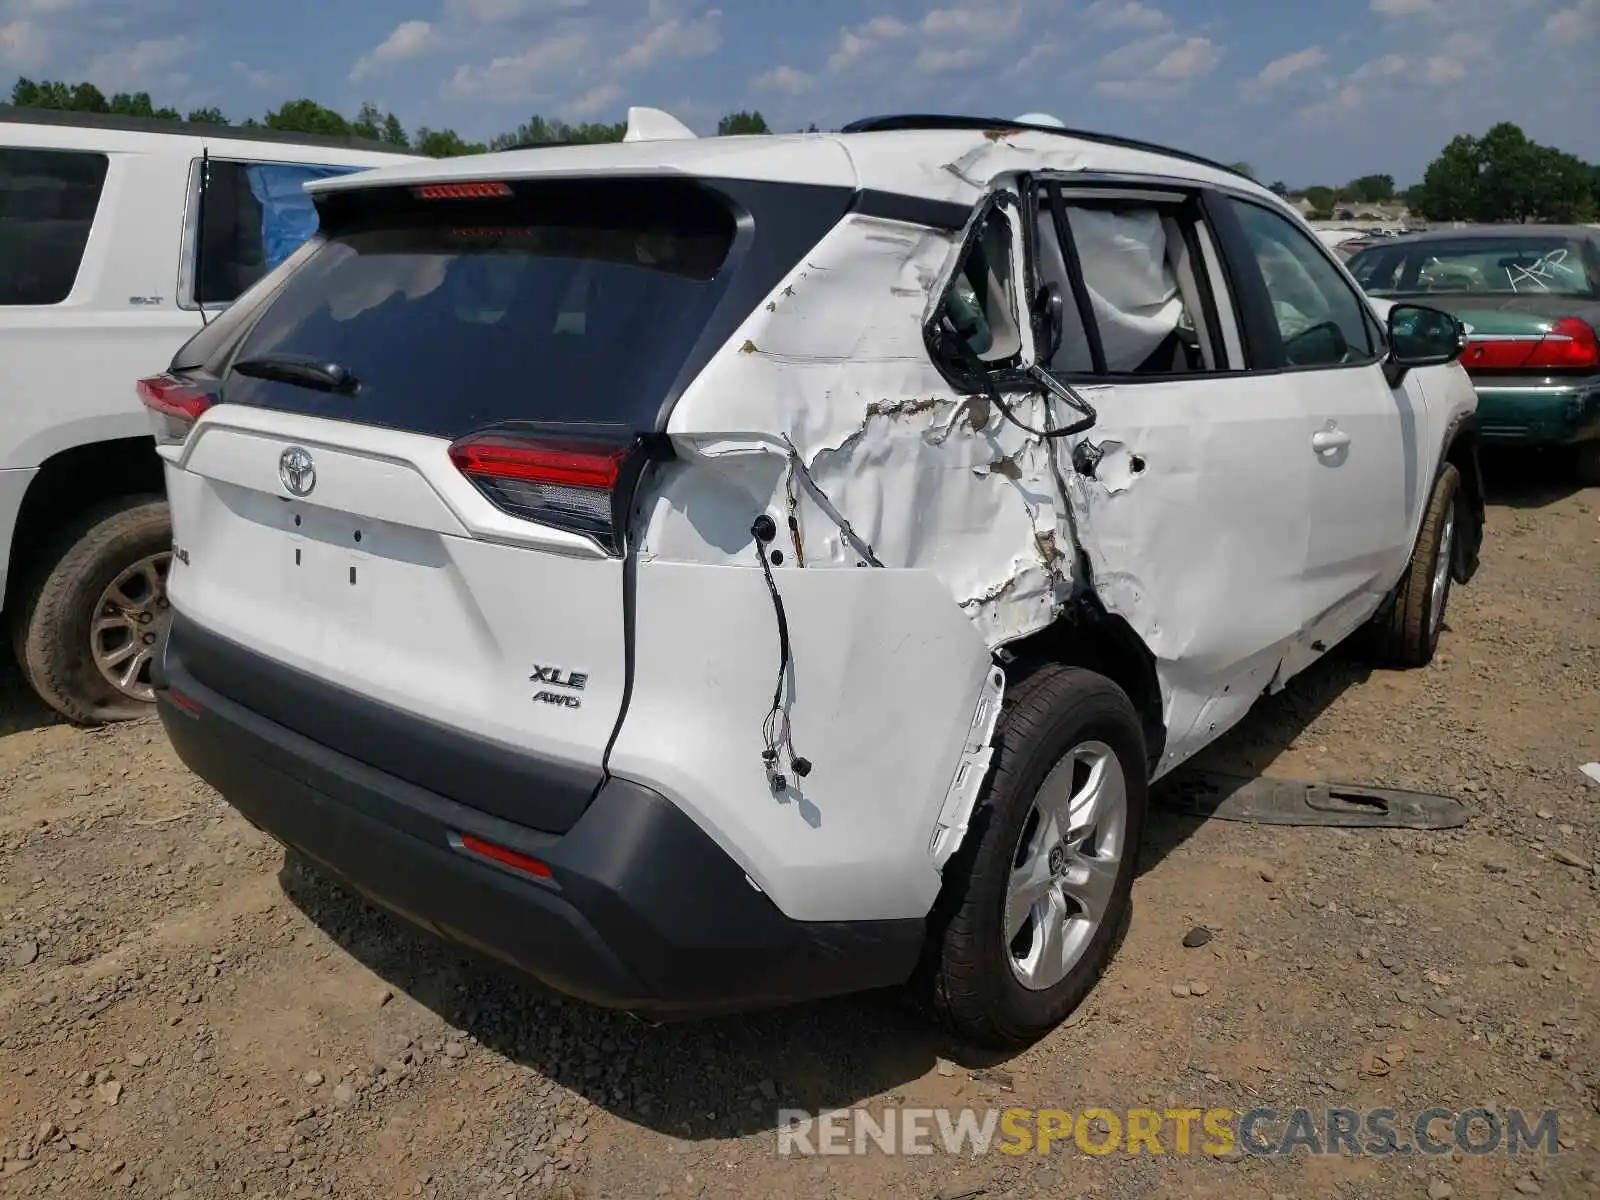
946, 121
11, 114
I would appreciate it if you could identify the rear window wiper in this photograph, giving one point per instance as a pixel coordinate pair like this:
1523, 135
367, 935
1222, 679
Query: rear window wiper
302, 370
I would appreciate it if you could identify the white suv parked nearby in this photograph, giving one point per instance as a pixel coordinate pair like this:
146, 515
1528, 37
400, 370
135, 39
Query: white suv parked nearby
715, 573
118, 238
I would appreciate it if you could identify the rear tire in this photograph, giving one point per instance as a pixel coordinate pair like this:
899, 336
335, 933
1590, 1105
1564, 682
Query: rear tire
1586, 462
54, 625
1000, 991
1411, 634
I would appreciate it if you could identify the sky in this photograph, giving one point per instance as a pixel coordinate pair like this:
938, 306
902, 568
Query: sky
1304, 92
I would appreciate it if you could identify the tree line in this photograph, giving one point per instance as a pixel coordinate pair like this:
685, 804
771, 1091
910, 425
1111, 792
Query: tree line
1502, 176
370, 122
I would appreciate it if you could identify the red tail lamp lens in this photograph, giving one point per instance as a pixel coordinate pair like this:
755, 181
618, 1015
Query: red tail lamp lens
527, 864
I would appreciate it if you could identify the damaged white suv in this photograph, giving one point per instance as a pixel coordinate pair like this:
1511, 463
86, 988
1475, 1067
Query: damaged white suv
716, 573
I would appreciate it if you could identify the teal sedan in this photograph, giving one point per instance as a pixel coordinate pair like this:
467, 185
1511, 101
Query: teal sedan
1528, 297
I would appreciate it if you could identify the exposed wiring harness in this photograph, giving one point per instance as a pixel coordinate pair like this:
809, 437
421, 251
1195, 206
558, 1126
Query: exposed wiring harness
776, 734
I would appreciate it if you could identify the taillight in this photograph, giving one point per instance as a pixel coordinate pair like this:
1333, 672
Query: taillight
573, 484
174, 407
1570, 343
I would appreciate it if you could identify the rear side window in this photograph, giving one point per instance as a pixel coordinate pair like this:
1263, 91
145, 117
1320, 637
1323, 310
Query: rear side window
571, 302
48, 200
255, 215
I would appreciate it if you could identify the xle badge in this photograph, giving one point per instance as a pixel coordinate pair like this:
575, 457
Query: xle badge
559, 677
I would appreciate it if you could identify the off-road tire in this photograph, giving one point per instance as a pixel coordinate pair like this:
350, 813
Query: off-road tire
51, 622
1586, 462
965, 978
1410, 635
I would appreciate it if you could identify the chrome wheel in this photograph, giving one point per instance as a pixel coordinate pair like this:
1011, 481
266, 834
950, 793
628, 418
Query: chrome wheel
129, 620
1441, 570
1065, 867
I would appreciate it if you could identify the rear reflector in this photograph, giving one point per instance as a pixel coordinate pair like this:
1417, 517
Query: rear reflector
461, 191
1570, 343
506, 858
569, 484
182, 702
174, 407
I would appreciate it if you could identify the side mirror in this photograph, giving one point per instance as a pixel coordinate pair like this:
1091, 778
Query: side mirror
1049, 311
1420, 336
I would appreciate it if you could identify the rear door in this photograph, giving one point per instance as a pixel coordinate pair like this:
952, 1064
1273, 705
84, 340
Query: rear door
410, 499
1195, 481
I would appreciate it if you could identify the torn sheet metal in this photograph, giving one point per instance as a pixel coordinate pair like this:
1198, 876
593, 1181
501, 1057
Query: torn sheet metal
1298, 802
850, 418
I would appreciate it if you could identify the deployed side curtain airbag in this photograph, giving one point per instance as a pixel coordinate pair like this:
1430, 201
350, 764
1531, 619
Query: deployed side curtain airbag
1130, 280
288, 217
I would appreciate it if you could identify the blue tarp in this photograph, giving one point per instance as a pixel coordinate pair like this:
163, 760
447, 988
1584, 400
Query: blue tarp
288, 217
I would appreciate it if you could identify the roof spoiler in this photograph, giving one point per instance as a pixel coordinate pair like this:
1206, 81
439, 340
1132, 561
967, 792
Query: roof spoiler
653, 125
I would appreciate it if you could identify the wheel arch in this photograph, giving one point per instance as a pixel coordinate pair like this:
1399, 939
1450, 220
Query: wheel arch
70, 483
1462, 444
1088, 636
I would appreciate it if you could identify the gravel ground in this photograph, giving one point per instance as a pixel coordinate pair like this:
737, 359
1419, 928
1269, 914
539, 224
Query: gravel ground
182, 1013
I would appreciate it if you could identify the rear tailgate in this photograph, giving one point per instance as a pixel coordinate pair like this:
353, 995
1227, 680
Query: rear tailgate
339, 572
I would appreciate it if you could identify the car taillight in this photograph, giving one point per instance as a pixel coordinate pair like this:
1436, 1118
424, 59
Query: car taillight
174, 407
572, 484
461, 191
1570, 343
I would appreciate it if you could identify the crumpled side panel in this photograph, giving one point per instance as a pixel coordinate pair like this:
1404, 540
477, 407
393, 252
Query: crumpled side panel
830, 402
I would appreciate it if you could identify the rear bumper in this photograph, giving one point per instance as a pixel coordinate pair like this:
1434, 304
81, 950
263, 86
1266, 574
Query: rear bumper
1539, 414
643, 910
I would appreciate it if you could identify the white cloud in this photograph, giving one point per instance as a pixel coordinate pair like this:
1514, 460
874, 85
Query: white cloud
853, 43
592, 102
674, 37
1402, 8
262, 81
1290, 65
21, 42
1131, 14
147, 65
1444, 70
985, 24
1196, 56
939, 60
783, 79
516, 77
1574, 24
1389, 64
409, 39
491, 12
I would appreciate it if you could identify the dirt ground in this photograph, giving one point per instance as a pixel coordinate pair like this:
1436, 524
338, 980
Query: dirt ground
183, 1015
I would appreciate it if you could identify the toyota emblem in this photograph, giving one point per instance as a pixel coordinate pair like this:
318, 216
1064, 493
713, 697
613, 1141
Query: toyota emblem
296, 471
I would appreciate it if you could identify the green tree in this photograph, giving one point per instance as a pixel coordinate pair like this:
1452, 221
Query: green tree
1322, 198
368, 123
444, 143
1279, 188
307, 116
1449, 187
1243, 168
69, 97
206, 116
394, 133
542, 131
742, 122
1372, 189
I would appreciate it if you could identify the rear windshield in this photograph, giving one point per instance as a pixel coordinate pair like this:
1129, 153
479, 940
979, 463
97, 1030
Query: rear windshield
561, 302
1490, 264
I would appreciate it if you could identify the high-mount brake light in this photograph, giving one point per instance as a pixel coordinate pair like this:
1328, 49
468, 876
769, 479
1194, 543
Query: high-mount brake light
174, 407
1570, 343
569, 483
461, 191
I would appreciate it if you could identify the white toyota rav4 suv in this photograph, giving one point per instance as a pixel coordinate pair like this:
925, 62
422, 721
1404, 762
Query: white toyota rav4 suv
715, 573
119, 237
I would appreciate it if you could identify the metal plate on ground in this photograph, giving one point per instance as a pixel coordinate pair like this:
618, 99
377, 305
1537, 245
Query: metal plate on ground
1302, 802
